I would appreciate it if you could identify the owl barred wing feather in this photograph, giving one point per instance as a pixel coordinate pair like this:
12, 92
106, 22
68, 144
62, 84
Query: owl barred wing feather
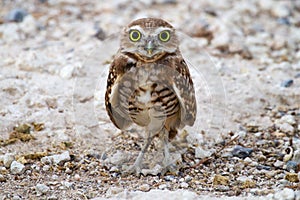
184, 89
114, 97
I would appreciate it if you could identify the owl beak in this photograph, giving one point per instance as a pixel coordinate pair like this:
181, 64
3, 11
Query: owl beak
149, 47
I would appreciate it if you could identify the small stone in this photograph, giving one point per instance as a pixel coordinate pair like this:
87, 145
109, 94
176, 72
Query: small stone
288, 154
296, 156
114, 169
67, 71
16, 15
184, 185
201, 153
162, 186
278, 164
292, 166
68, 171
220, 180
8, 158
263, 167
60, 158
67, 184
46, 168
287, 83
241, 152
287, 128
286, 194
280, 10
2, 178
117, 159
77, 177
100, 34
292, 177
42, 188
248, 160
290, 119
144, 187
188, 178
169, 178
17, 168
16, 197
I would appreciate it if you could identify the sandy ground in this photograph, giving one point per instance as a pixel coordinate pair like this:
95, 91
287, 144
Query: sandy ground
243, 56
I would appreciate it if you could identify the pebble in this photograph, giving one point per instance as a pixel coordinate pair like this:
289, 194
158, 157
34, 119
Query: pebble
248, 160
287, 83
286, 194
201, 153
241, 152
292, 177
287, 128
144, 187
278, 164
162, 186
291, 166
290, 119
17, 168
280, 10
46, 168
2, 178
16, 15
184, 185
59, 159
28, 25
77, 177
220, 180
296, 157
67, 71
8, 158
42, 188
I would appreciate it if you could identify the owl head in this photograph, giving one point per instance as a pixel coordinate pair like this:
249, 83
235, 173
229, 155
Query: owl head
149, 39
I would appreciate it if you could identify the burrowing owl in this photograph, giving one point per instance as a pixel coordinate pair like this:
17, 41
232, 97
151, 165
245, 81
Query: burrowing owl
149, 84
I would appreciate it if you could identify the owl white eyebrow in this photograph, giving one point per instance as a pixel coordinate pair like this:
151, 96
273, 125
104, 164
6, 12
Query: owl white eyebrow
160, 29
137, 28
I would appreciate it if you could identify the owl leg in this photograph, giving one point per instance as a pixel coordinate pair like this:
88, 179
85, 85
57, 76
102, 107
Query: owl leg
136, 167
167, 163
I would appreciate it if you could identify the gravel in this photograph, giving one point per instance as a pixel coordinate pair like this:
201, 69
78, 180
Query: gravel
58, 143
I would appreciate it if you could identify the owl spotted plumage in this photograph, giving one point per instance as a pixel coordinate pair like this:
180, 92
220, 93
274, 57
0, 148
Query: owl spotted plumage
149, 84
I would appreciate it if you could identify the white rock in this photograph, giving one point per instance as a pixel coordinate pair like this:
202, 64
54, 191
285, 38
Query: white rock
8, 158
162, 186
42, 188
184, 185
201, 153
278, 163
248, 160
118, 158
61, 158
46, 160
280, 10
17, 168
290, 119
296, 157
67, 71
285, 194
244, 178
285, 127
145, 187
28, 25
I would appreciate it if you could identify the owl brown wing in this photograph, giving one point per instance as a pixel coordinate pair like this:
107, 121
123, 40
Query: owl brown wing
117, 113
184, 89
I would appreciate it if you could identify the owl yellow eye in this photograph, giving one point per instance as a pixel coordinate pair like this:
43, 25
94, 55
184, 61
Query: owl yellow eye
135, 35
164, 36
